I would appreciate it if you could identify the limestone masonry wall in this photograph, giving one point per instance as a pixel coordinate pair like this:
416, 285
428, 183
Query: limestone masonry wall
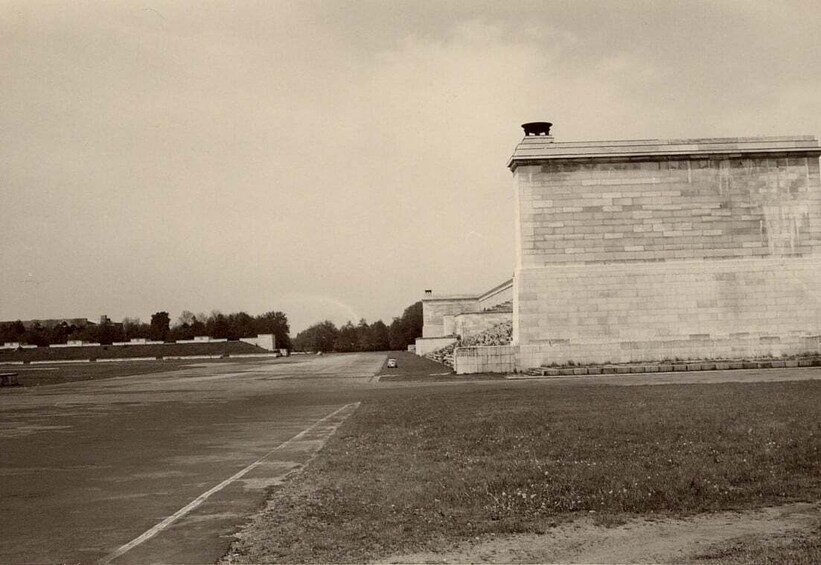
435, 310
495, 359
701, 248
668, 209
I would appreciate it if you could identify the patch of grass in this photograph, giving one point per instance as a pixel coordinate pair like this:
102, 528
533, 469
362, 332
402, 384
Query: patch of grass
424, 471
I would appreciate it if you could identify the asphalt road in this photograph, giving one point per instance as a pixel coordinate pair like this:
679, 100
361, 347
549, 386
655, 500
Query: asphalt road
166, 467
87, 467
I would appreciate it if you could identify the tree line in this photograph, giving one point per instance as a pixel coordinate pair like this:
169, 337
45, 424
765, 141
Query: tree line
216, 325
378, 336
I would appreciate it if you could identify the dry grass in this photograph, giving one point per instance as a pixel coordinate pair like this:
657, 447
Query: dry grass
426, 471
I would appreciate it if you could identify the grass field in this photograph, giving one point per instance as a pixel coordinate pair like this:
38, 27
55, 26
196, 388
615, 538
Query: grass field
128, 351
426, 471
413, 368
37, 375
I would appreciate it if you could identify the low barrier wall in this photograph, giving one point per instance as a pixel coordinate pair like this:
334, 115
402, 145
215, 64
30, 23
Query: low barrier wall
484, 359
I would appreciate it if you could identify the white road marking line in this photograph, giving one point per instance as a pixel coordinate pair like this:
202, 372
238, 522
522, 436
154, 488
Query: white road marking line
202, 498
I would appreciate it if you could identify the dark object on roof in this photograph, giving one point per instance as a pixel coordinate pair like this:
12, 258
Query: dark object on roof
537, 128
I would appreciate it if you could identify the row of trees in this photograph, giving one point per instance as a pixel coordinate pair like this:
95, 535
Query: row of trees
378, 336
187, 326
324, 336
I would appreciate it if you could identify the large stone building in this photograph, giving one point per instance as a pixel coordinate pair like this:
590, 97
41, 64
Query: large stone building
649, 249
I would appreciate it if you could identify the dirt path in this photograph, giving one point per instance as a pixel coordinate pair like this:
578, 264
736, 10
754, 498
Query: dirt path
638, 541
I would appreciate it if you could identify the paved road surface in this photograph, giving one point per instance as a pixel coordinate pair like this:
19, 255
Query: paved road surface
87, 468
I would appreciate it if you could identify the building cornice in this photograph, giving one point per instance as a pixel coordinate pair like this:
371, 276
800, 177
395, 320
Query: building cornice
536, 149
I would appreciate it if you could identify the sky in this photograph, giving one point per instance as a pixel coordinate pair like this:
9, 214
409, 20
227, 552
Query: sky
333, 159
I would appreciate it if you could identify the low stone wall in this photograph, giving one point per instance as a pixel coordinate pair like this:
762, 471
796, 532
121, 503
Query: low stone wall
481, 362
425, 345
484, 359
735, 346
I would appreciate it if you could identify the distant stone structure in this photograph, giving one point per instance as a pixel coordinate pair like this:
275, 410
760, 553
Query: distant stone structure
657, 249
446, 318
265, 341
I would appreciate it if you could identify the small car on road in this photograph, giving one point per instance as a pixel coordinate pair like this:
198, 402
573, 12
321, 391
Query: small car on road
392, 363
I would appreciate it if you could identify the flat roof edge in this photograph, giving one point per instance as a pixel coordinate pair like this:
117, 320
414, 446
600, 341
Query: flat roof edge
499, 287
434, 298
534, 149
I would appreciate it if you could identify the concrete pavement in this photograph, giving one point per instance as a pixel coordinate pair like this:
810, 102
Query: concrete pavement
87, 468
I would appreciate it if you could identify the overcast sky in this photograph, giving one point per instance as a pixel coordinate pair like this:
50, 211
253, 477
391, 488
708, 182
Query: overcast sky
334, 159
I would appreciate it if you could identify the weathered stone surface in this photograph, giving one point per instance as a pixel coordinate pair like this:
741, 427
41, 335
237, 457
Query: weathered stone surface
632, 251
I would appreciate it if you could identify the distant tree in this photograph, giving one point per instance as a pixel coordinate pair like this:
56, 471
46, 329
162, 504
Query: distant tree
217, 325
59, 333
275, 322
403, 331
36, 335
108, 333
378, 338
319, 337
135, 328
396, 338
198, 326
186, 318
347, 338
160, 326
89, 333
241, 325
363, 331
181, 329
12, 332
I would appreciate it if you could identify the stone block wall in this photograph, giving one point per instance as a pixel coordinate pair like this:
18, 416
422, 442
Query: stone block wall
435, 310
495, 359
641, 251
668, 209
